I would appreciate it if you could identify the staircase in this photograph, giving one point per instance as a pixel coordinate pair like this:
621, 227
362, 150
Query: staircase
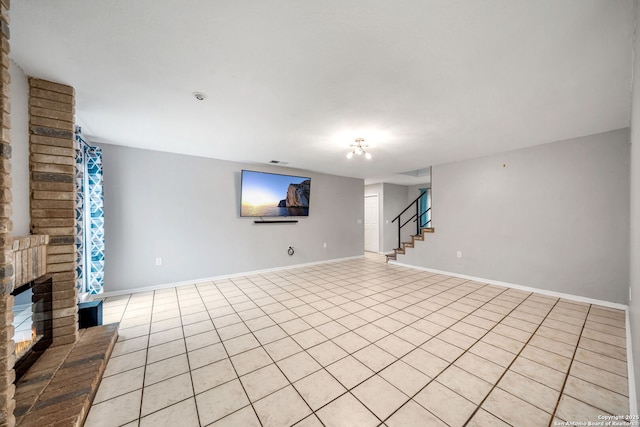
422, 226
404, 245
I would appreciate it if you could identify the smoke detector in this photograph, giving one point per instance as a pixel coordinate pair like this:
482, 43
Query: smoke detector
199, 96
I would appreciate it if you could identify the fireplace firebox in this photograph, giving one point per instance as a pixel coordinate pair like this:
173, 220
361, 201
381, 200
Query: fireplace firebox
32, 322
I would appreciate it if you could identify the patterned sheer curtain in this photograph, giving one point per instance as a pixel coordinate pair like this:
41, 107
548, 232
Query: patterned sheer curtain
89, 217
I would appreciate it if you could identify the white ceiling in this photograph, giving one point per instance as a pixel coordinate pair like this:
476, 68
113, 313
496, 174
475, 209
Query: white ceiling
424, 81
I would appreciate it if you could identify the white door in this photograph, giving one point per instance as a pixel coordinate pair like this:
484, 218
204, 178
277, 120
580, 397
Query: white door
371, 227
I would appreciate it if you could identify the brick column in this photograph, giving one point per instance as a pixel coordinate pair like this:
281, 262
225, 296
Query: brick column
7, 360
52, 166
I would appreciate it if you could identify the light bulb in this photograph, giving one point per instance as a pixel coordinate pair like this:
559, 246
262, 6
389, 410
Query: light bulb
349, 154
368, 156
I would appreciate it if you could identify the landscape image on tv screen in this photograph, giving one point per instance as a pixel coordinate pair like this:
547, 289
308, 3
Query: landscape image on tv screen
269, 194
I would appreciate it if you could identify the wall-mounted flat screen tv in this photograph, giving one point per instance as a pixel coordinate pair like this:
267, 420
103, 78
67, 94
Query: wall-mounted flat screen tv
266, 194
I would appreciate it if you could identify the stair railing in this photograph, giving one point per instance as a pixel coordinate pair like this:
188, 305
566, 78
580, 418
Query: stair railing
417, 218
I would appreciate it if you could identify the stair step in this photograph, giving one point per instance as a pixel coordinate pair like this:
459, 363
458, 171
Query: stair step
417, 237
391, 256
428, 230
399, 251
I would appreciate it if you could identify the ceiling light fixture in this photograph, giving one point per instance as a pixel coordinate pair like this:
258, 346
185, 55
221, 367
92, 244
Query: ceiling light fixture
359, 149
199, 96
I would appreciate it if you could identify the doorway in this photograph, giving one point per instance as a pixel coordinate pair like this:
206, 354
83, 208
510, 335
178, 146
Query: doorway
371, 223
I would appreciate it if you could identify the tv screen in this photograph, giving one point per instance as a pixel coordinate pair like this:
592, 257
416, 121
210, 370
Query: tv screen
268, 194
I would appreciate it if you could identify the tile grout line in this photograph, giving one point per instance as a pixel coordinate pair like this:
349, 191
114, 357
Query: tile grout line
382, 421
566, 378
231, 305
411, 398
495, 385
286, 286
587, 381
146, 358
558, 301
229, 357
343, 316
418, 346
146, 364
442, 291
186, 349
303, 349
434, 336
313, 412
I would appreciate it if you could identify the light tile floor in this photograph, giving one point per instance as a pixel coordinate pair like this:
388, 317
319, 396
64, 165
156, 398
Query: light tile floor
359, 343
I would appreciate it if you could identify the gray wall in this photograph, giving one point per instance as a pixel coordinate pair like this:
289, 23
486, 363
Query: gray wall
634, 271
555, 217
186, 210
19, 150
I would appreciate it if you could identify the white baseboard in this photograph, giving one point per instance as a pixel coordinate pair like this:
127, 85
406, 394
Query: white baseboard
221, 277
571, 297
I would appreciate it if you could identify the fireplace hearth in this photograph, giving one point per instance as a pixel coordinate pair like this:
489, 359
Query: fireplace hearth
32, 322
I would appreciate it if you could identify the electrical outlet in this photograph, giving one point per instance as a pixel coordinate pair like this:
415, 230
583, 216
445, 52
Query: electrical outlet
158, 261
459, 254
324, 245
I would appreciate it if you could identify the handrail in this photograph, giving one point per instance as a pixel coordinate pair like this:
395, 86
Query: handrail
415, 217
407, 221
405, 209
421, 215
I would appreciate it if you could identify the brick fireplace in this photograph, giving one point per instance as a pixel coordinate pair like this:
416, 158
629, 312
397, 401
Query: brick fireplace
32, 301
51, 246
52, 195
7, 374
